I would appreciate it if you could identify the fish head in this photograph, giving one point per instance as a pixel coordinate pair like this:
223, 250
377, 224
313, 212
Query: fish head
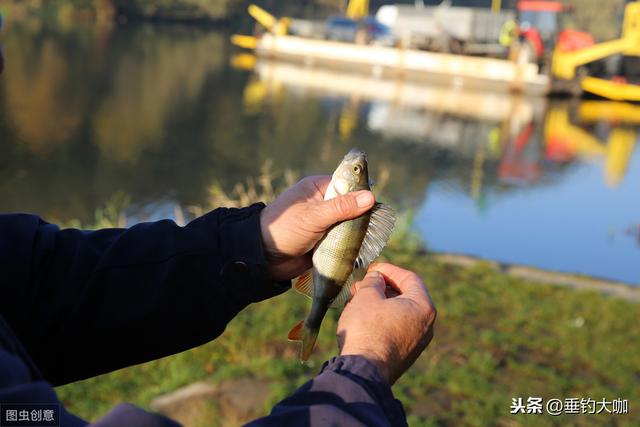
352, 174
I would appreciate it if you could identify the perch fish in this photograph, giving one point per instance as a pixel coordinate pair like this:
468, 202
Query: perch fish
347, 247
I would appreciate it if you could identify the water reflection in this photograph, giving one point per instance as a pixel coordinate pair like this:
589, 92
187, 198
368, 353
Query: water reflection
43, 112
158, 114
156, 77
523, 180
517, 132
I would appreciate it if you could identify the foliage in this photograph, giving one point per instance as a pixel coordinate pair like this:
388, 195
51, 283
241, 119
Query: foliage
179, 9
265, 187
111, 215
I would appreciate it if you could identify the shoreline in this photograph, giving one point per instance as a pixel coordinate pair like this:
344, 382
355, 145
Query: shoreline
613, 288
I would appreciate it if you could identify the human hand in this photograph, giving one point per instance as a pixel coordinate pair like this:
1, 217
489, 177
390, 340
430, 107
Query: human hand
293, 223
389, 326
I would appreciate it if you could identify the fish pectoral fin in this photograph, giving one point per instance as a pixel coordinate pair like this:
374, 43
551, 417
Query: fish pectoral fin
345, 294
381, 225
304, 284
295, 334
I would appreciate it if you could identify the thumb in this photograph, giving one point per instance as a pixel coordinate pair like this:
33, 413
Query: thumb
342, 208
372, 286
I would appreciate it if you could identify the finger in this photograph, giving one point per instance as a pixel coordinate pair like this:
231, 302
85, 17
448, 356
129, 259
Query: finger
405, 281
371, 287
342, 208
401, 279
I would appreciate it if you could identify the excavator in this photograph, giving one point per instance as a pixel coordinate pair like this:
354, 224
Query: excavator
570, 66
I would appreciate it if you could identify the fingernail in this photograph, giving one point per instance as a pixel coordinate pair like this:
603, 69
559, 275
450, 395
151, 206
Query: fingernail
375, 275
364, 199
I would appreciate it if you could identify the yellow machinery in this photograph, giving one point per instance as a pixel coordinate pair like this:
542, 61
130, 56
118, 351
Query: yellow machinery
267, 20
566, 64
619, 146
357, 9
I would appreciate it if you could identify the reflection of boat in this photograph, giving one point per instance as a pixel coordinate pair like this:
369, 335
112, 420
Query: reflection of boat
490, 106
450, 118
515, 132
523, 143
444, 130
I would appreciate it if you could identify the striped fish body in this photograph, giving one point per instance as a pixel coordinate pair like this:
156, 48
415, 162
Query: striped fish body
333, 263
347, 245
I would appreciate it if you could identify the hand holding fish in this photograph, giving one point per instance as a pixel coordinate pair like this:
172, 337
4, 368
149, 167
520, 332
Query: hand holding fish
389, 326
293, 224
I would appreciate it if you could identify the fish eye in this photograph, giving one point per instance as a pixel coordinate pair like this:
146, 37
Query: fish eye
356, 169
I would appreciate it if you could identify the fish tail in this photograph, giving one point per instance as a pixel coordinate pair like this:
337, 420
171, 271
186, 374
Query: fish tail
308, 336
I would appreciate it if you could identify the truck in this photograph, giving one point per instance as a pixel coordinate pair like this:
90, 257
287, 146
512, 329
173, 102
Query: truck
446, 28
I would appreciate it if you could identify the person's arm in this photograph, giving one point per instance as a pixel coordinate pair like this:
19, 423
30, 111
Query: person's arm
381, 332
89, 302
349, 391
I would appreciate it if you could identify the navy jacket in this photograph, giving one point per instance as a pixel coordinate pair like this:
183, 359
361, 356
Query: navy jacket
75, 304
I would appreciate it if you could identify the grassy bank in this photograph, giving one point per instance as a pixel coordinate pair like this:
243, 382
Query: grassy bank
497, 337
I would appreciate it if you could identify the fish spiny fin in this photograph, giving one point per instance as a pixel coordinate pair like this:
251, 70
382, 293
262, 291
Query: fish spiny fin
344, 295
304, 284
381, 225
295, 334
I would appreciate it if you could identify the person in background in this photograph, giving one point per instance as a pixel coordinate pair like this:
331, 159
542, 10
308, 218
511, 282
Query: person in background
75, 304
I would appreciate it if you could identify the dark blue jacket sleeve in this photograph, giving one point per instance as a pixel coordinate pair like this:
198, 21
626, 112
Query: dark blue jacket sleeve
349, 391
88, 302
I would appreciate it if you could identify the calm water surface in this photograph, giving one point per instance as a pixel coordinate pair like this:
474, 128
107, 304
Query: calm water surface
159, 114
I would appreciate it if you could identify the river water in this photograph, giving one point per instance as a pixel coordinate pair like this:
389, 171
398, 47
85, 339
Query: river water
160, 113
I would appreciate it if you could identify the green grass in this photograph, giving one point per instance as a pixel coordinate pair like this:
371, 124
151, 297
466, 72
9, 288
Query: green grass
496, 338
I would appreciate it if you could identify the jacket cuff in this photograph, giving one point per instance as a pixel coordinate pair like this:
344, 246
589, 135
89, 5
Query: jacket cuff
126, 414
368, 376
244, 270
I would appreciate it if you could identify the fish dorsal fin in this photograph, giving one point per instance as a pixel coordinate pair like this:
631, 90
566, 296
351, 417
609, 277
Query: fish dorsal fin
380, 227
304, 284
